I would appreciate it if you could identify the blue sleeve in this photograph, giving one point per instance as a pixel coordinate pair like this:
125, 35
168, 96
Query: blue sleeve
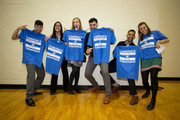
140, 52
90, 39
113, 38
139, 42
114, 53
64, 37
47, 42
22, 36
160, 36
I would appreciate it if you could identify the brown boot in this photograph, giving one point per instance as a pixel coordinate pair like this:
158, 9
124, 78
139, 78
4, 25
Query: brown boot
93, 89
115, 88
107, 99
134, 100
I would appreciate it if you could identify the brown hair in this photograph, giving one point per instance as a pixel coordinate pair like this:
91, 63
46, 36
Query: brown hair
80, 27
140, 34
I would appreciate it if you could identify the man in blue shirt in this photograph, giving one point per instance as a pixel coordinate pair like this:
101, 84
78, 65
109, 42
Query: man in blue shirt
32, 84
93, 23
112, 68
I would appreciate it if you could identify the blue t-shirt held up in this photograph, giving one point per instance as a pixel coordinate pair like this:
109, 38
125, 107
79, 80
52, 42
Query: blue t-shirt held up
127, 61
75, 44
100, 40
33, 47
148, 45
55, 54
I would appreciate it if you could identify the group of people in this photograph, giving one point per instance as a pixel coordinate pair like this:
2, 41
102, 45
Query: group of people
151, 62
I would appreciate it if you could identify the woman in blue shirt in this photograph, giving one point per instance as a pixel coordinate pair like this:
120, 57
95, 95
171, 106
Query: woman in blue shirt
76, 25
151, 60
58, 34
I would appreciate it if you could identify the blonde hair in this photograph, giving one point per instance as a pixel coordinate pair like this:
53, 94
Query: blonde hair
80, 27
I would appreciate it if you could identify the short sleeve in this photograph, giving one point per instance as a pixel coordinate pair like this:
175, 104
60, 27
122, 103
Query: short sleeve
90, 39
47, 43
113, 38
64, 36
114, 53
22, 35
160, 36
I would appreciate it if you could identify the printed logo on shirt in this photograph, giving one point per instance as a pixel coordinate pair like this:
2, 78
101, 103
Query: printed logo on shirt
100, 45
147, 42
75, 45
30, 42
75, 38
127, 56
100, 37
55, 51
33, 41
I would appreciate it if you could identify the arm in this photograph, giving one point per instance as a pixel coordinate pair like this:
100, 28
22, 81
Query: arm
15, 35
161, 42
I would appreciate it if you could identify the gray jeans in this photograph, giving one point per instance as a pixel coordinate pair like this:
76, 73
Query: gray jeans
33, 84
105, 74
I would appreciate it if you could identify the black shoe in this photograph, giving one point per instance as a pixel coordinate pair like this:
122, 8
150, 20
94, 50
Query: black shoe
52, 92
71, 92
151, 104
65, 90
37, 93
77, 90
30, 102
146, 95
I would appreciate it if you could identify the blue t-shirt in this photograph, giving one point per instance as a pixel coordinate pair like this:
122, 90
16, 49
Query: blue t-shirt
75, 44
127, 61
33, 47
100, 40
55, 53
148, 45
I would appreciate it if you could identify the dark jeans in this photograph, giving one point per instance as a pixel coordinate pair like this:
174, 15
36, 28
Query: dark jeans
54, 78
132, 86
154, 81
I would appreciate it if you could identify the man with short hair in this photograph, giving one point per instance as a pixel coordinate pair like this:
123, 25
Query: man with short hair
112, 67
33, 48
93, 23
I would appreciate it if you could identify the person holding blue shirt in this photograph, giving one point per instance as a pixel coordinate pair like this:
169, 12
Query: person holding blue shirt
151, 60
33, 84
74, 39
99, 41
58, 34
112, 68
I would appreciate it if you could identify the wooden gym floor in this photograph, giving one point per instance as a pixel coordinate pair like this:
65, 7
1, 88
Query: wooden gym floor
89, 106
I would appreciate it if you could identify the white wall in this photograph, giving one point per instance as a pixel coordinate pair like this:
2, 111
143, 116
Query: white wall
119, 14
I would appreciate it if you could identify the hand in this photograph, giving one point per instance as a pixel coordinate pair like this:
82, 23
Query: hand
158, 45
23, 27
111, 28
89, 50
65, 43
46, 39
65, 29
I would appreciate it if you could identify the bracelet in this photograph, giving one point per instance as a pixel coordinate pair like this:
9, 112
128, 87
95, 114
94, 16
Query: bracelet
159, 41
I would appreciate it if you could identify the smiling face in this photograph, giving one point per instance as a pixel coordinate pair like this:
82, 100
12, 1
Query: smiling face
38, 28
76, 24
143, 29
93, 25
130, 36
57, 27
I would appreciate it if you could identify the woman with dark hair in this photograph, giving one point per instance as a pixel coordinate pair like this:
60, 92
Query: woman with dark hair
58, 34
151, 60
